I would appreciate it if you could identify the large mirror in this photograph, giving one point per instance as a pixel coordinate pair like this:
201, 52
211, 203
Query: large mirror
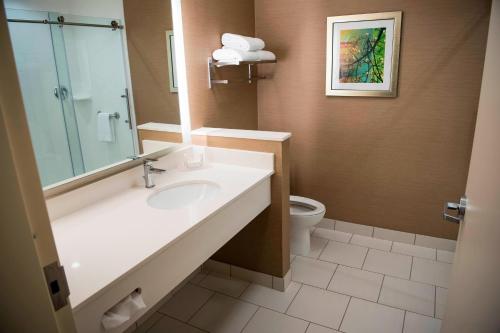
95, 76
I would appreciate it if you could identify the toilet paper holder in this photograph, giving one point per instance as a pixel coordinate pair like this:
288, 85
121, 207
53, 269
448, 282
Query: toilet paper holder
124, 310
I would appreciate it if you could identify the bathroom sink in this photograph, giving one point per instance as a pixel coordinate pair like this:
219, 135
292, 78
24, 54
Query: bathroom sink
182, 194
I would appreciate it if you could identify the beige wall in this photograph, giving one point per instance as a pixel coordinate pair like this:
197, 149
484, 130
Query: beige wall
233, 106
384, 162
146, 22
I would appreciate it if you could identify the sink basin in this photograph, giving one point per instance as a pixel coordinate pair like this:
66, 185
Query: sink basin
182, 194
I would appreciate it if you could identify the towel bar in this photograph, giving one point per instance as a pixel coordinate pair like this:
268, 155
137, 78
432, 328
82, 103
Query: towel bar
115, 115
250, 78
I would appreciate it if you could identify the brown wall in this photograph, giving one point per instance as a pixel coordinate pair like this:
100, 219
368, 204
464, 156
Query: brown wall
233, 106
146, 22
388, 162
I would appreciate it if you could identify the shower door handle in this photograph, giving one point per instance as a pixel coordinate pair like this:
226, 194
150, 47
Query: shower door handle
127, 100
61, 92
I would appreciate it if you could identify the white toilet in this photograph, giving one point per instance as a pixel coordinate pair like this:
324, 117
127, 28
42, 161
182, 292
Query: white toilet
305, 213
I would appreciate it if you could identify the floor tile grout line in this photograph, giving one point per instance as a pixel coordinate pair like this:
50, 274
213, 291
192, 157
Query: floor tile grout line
244, 289
266, 307
345, 312
305, 284
375, 272
411, 268
249, 319
364, 259
153, 324
382, 304
350, 296
404, 319
323, 249
334, 292
381, 286
187, 323
331, 278
321, 325
293, 299
338, 292
357, 297
292, 316
412, 243
205, 303
420, 314
435, 301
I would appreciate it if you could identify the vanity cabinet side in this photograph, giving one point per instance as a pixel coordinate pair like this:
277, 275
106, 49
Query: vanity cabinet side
263, 245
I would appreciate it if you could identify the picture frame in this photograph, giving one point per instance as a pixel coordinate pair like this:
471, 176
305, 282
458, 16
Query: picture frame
172, 72
362, 54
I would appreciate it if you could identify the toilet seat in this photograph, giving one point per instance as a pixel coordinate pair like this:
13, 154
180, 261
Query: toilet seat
316, 208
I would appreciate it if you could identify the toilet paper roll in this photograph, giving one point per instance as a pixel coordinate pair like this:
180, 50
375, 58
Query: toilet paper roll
123, 311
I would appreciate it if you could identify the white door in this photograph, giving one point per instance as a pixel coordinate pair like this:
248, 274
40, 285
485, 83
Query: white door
474, 294
26, 242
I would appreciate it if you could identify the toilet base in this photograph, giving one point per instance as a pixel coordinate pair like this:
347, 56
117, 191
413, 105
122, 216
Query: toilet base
300, 240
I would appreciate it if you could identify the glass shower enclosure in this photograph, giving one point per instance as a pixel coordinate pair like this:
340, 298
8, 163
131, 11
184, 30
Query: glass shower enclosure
74, 89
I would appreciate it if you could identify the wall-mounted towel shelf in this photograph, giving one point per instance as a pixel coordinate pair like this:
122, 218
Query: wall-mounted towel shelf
212, 64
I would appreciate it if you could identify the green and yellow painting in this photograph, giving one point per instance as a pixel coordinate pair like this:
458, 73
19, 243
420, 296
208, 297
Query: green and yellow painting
362, 54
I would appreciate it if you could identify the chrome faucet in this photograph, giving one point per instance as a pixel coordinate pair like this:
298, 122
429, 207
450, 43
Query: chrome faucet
148, 172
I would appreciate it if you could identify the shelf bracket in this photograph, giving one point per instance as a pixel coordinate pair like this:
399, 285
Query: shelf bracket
211, 65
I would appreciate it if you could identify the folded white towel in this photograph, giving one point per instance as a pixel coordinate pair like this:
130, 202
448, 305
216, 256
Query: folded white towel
234, 55
243, 43
261, 54
265, 55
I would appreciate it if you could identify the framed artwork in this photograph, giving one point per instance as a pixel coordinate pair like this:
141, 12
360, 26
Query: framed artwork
362, 54
172, 72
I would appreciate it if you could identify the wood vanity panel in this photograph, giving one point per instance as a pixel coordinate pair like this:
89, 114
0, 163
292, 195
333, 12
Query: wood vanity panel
158, 136
263, 245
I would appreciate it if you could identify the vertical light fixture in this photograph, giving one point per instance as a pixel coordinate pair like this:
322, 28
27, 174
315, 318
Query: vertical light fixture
180, 63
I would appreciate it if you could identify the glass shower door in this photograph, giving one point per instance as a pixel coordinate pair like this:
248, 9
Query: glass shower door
71, 76
96, 67
38, 77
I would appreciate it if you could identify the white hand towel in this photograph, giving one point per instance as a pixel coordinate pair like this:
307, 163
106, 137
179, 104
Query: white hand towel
227, 54
265, 55
104, 128
243, 43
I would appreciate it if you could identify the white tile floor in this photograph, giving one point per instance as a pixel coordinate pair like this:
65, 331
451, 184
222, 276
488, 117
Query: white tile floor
350, 282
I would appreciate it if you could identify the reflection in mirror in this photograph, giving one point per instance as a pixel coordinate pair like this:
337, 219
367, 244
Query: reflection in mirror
93, 74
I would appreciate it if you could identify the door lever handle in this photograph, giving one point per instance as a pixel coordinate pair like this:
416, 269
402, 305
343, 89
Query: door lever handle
460, 209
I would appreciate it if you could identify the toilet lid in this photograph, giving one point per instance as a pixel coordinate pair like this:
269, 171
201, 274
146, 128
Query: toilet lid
316, 207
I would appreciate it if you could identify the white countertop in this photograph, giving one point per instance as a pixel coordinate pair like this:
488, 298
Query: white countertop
161, 127
103, 240
242, 134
